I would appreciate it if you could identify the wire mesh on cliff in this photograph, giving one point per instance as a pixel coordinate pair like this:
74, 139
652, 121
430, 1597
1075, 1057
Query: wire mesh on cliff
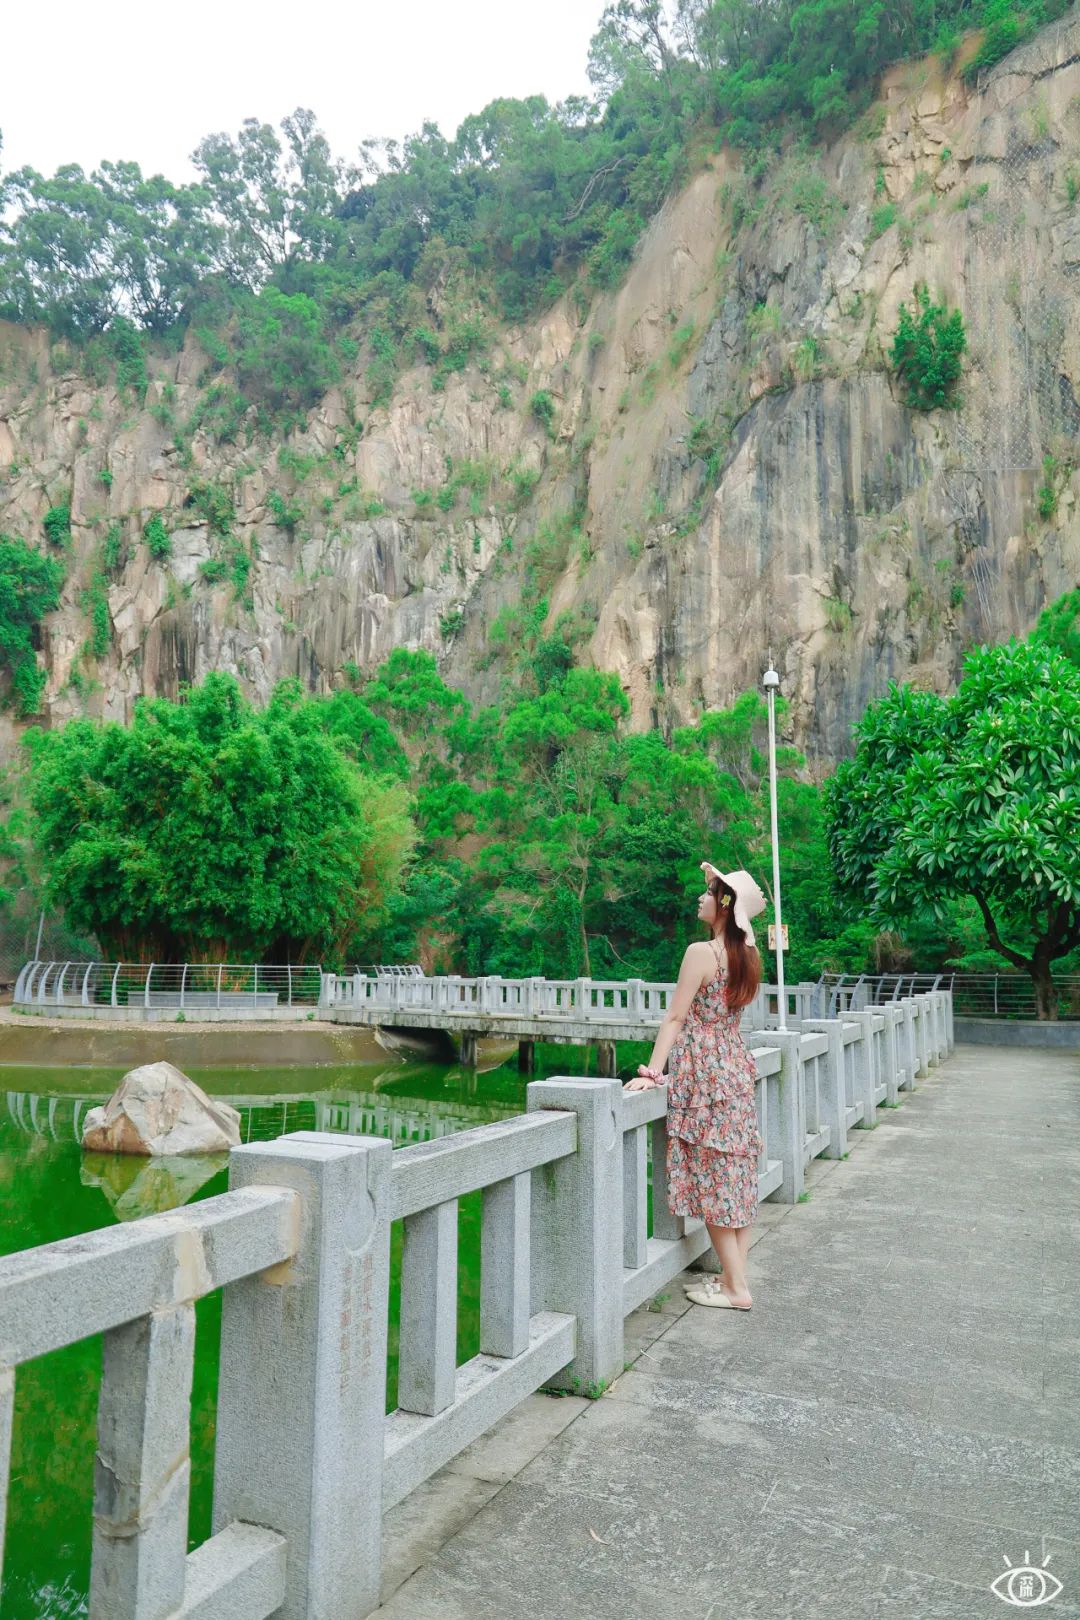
1019, 405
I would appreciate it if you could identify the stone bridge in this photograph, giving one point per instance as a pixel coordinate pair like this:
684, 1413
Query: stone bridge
890, 1403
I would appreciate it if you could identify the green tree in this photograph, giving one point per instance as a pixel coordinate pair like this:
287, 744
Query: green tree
928, 352
274, 202
78, 251
29, 588
208, 830
157, 537
974, 796
283, 360
1058, 626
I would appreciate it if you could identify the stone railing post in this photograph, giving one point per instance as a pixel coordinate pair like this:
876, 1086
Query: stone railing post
634, 1004
865, 1067
909, 1050
664, 1223
582, 998
834, 1102
301, 1402
805, 1006
933, 1053
143, 1468
788, 1115
941, 999
891, 1049
922, 1036
950, 1031
577, 1228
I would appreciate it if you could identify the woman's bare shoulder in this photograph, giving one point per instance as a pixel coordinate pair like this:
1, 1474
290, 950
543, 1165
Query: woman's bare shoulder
699, 955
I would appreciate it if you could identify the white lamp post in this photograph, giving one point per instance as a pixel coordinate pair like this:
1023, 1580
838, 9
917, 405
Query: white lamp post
771, 682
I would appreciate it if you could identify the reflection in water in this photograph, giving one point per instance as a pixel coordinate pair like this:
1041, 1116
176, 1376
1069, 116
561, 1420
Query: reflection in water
137, 1186
402, 1118
49, 1189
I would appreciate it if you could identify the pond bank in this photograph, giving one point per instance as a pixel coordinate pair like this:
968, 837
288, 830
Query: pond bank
54, 1043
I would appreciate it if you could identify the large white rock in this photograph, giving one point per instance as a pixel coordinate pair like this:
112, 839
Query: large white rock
156, 1109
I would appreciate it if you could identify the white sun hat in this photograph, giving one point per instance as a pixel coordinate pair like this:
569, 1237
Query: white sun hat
749, 900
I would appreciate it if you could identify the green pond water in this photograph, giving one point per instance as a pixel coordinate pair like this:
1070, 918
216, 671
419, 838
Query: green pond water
49, 1189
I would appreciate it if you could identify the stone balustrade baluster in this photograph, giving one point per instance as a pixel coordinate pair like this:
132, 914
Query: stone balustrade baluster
865, 1066
577, 1227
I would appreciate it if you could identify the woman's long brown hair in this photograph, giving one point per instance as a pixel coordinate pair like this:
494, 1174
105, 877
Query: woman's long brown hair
743, 961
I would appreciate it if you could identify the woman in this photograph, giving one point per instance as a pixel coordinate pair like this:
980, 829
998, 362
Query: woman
713, 1142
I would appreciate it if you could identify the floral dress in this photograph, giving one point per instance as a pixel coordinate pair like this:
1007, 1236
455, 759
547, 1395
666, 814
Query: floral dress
713, 1140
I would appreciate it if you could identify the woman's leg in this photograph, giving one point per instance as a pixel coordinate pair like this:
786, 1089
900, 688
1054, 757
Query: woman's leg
743, 1233
726, 1242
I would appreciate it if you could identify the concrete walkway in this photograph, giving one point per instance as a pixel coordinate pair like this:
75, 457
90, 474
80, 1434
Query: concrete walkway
898, 1415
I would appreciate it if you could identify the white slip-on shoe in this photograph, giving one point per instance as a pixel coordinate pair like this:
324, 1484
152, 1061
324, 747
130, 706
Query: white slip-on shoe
714, 1297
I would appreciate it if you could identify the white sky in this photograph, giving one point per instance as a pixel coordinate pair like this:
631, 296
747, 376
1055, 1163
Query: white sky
124, 80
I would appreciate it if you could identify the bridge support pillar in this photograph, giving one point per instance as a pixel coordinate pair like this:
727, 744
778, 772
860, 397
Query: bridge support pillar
467, 1057
526, 1057
606, 1066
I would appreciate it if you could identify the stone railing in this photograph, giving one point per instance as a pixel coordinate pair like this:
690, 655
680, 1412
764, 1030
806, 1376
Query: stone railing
306, 1460
490, 996
577, 1001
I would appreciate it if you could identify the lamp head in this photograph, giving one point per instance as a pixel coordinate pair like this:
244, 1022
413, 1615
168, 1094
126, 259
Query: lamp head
770, 678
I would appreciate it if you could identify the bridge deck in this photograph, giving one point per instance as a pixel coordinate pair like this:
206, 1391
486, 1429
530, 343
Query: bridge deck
897, 1416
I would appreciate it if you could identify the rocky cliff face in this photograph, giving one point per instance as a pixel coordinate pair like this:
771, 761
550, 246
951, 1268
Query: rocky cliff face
728, 466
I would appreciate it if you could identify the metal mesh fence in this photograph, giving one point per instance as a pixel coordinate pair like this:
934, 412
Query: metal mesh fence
1017, 403
19, 926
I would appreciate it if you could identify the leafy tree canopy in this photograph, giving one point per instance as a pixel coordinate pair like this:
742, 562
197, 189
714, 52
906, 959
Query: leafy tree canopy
209, 830
524, 198
29, 588
395, 820
973, 796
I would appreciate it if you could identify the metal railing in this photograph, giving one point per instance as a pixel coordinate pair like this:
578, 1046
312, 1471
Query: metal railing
186, 986
392, 970
1011, 995
975, 995
839, 992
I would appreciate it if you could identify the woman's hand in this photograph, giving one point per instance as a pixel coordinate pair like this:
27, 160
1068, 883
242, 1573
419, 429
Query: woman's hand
644, 1079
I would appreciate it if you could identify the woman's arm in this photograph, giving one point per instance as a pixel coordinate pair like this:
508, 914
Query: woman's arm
696, 962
